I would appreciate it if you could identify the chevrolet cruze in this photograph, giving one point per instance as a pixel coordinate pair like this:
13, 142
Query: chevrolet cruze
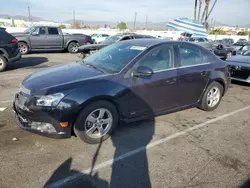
126, 81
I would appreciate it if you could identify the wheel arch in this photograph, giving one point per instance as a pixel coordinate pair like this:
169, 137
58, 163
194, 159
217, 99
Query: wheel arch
23, 41
222, 82
70, 41
89, 101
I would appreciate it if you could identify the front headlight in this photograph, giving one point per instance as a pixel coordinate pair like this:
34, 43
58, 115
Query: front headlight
49, 100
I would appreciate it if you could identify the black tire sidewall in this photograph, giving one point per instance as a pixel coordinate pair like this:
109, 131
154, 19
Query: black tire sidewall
204, 105
3, 68
69, 46
79, 127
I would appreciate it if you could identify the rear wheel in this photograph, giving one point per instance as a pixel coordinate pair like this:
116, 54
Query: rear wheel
212, 97
23, 47
73, 47
96, 122
3, 63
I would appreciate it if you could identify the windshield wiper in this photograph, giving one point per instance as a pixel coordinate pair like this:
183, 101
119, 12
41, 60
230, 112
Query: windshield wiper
95, 67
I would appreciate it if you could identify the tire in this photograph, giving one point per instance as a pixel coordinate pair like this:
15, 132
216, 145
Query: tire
73, 47
3, 63
87, 127
206, 103
23, 47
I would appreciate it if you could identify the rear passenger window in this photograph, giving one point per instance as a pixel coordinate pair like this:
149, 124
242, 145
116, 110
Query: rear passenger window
53, 31
190, 55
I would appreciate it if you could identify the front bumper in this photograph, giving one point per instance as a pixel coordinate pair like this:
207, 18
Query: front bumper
16, 58
33, 120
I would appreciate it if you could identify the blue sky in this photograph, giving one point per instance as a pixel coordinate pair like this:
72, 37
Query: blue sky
232, 12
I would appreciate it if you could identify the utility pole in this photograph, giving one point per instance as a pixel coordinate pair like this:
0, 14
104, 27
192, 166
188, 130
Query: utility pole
195, 9
146, 22
29, 14
74, 17
135, 21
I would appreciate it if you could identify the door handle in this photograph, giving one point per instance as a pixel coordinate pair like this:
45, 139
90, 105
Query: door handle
171, 81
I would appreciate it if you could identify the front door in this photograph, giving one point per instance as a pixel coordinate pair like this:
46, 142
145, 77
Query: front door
38, 38
155, 93
194, 73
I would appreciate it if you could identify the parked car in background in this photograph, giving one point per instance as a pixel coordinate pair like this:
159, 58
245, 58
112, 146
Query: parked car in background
242, 40
239, 45
99, 37
9, 51
228, 41
126, 81
197, 39
223, 49
240, 67
89, 49
48, 38
243, 48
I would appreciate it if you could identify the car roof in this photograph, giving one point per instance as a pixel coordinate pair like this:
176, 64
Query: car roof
148, 42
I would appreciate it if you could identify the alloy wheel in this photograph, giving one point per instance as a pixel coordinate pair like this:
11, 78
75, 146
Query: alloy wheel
213, 97
1, 63
23, 48
98, 123
74, 48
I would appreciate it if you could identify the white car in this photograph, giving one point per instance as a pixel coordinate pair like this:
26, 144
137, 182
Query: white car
99, 37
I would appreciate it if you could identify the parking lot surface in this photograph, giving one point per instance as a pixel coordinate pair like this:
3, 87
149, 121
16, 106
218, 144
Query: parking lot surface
190, 148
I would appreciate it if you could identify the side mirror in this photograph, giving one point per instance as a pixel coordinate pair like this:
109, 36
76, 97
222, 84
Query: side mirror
34, 33
143, 71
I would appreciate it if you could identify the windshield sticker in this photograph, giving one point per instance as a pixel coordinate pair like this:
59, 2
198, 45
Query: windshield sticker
141, 48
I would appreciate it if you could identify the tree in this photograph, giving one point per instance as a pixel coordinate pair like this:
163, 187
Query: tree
211, 10
122, 26
199, 11
243, 33
217, 32
62, 26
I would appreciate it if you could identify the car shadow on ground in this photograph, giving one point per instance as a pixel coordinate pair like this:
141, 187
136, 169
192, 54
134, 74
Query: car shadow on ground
130, 162
127, 171
28, 62
240, 83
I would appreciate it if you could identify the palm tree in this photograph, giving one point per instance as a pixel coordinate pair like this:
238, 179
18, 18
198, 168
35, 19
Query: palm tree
199, 12
205, 12
210, 10
195, 9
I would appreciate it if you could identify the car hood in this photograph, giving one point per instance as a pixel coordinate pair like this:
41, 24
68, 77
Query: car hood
59, 78
20, 34
239, 59
88, 47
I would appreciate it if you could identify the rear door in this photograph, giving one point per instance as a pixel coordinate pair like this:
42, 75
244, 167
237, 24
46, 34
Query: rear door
54, 38
193, 73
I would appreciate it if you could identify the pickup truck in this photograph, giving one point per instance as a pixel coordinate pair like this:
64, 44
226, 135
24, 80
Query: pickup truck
49, 38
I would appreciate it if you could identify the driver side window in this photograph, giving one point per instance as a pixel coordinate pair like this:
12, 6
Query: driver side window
42, 31
159, 59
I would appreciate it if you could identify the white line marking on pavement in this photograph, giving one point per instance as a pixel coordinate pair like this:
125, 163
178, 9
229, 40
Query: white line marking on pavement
133, 152
2, 109
9, 101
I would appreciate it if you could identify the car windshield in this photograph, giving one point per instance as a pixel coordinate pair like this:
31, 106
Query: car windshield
111, 40
30, 30
114, 58
247, 53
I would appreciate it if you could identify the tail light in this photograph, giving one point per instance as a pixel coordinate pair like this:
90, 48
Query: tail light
85, 40
14, 40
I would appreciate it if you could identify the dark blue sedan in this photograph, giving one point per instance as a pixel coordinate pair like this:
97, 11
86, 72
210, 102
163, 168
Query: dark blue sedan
126, 81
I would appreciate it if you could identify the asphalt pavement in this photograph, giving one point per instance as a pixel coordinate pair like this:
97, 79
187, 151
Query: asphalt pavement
191, 148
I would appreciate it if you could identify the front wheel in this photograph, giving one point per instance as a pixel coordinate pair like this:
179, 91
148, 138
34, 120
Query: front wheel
212, 97
96, 122
3, 63
73, 47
